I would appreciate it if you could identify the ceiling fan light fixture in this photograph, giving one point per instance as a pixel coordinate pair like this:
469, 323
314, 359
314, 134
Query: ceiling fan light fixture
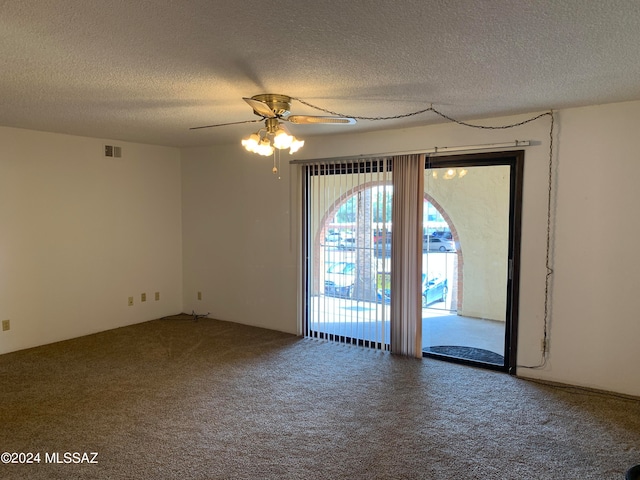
251, 142
264, 147
295, 145
275, 136
282, 140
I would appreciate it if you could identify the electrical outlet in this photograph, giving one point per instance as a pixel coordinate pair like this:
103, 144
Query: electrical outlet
157, 296
131, 301
143, 297
6, 325
199, 295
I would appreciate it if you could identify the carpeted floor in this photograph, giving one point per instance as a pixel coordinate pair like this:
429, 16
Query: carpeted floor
178, 398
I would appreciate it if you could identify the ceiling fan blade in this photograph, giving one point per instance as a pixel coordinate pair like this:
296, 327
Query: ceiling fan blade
306, 119
260, 108
225, 124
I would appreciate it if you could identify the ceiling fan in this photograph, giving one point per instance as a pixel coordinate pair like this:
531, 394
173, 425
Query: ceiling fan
274, 109
271, 108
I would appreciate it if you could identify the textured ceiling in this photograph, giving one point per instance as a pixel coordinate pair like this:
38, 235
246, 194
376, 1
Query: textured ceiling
147, 70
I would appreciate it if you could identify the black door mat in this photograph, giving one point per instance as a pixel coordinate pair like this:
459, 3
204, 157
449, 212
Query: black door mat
467, 353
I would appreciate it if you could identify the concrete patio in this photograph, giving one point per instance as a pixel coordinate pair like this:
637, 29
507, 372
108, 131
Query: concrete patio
369, 322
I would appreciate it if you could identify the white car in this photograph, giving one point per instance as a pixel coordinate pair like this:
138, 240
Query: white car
332, 240
339, 279
438, 244
342, 240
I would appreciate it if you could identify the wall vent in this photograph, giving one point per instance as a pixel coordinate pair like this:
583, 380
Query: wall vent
112, 151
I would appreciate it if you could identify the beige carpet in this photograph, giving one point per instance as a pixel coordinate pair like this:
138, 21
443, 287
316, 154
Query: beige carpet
183, 399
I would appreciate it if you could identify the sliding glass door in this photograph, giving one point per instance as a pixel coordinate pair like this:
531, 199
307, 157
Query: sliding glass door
470, 264
471, 238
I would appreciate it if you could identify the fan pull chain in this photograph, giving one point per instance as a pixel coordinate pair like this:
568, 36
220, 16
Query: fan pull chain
276, 163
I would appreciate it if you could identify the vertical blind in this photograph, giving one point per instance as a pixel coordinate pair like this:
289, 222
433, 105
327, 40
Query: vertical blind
406, 252
347, 231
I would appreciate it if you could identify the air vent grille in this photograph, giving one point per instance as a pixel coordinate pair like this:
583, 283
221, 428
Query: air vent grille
112, 151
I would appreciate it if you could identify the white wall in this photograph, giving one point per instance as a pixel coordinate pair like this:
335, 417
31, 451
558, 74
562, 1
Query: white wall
239, 238
595, 331
240, 251
80, 233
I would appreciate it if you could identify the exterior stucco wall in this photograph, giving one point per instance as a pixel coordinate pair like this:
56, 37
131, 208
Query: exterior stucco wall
478, 206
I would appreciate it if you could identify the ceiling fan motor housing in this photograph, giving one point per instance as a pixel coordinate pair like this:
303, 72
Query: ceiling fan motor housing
280, 104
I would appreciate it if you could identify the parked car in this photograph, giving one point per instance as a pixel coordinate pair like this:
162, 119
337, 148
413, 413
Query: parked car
437, 244
347, 243
332, 239
434, 289
341, 240
339, 279
446, 234
430, 244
